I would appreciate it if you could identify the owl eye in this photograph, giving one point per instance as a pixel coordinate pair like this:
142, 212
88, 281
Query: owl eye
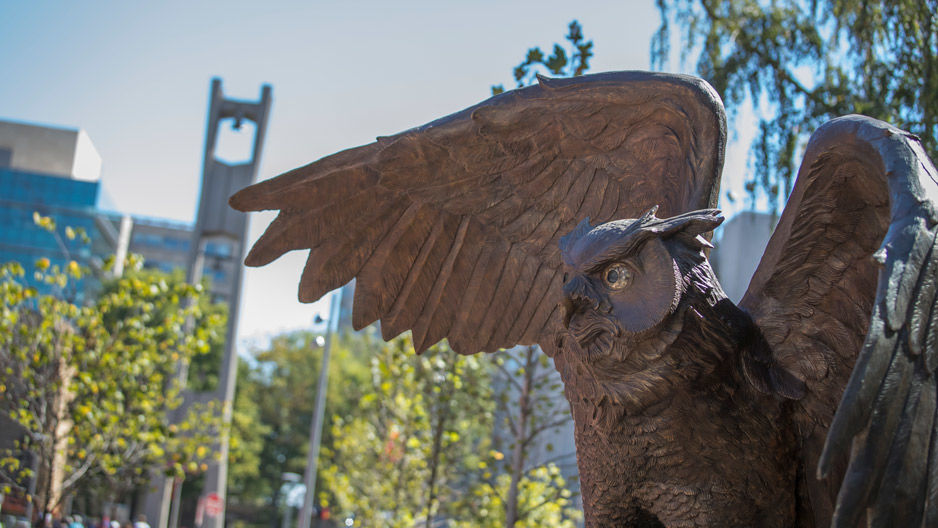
617, 276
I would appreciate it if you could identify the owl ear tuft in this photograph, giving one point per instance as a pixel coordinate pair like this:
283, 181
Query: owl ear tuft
649, 215
691, 227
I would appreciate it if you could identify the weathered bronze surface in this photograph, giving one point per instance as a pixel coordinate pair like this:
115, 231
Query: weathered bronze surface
688, 409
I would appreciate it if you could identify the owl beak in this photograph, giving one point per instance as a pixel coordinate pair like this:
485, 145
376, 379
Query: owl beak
574, 300
568, 308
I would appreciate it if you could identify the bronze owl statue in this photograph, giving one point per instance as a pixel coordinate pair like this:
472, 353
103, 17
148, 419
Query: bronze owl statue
811, 404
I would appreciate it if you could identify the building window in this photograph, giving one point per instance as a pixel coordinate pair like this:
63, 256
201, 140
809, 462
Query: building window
218, 249
6, 157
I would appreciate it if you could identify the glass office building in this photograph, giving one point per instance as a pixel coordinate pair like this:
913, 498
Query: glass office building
44, 171
55, 172
165, 245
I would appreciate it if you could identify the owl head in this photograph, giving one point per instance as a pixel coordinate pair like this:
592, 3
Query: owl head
628, 290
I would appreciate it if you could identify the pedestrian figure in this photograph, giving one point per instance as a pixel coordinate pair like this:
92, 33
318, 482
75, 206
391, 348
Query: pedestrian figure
141, 522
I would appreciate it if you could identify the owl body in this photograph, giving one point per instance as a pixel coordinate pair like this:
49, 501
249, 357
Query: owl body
668, 469
669, 432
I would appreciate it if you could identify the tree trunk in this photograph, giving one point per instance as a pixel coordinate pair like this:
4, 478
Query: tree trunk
517, 457
517, 467
434, 465
276, 519
442, 407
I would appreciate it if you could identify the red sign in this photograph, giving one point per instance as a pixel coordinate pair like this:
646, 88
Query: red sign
213, 505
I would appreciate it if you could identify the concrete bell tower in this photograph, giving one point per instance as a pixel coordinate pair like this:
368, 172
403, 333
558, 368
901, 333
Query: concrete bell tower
217, 221
219, 238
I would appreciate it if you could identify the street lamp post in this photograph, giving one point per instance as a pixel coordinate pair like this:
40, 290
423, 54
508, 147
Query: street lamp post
315, 429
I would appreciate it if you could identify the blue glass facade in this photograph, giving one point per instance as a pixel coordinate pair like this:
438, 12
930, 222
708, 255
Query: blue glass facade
172, 243
19, 186
70, 203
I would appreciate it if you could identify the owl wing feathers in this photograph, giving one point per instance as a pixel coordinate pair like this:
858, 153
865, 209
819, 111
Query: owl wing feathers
451, 229
858, 237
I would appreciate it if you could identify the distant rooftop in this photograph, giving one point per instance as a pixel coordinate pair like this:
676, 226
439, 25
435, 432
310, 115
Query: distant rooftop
52, 151
155, 222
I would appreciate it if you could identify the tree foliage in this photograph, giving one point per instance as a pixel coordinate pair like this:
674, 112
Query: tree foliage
416, 441
801, 63
273, 409
408, 439
92, 386
249, 431
530, 404
543, 496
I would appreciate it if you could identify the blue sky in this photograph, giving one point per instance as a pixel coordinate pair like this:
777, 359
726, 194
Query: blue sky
135, 76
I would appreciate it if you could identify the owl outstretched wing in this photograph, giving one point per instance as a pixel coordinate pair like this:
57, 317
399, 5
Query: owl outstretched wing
451, 229
846, 296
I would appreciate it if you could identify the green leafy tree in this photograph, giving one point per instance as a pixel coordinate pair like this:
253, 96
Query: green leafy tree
531, 404
164, 324
91, 386
248, 433
272, 412
562, 62
417, 441
802, 63
543, 499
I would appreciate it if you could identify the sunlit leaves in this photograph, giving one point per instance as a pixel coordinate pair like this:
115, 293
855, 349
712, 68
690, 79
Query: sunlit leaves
415, 441
273, 409
97, 381
45, 222
543, 500
426, 423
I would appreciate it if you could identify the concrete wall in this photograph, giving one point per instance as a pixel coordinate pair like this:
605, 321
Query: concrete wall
52, 151
87, 163
739, 250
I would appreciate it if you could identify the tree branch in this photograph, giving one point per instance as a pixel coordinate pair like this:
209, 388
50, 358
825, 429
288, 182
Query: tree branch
509, 376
